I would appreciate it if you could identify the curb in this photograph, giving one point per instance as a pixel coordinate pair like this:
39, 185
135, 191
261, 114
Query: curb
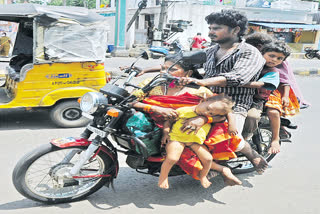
307, 72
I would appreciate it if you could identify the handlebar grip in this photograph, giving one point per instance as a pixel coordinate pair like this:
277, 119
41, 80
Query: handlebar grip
193, 85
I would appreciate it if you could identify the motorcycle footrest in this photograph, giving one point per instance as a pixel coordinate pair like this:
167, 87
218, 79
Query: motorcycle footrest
286, 140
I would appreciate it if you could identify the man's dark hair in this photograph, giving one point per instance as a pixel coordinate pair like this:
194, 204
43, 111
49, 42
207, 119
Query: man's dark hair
230, 18
277, 46
199, 34
258, 39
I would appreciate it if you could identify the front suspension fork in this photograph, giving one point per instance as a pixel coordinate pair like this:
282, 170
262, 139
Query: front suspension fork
85, 156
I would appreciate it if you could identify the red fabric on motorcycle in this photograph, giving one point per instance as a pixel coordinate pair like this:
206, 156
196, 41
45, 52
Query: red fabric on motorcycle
174, 102
220, 143
218, 140
190, 163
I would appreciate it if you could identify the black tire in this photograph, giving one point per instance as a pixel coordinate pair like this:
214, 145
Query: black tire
309, 55
20, 172
242, 165
67, 114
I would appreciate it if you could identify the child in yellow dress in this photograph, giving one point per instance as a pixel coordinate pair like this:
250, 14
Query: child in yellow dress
175, 140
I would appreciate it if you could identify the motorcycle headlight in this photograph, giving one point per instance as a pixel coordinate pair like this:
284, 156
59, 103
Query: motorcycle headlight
91, 101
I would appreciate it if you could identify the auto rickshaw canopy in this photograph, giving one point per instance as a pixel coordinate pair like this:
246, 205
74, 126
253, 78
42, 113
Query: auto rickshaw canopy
57, 33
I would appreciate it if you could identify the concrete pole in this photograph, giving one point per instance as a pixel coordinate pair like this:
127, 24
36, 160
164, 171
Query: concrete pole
120, 25
162, 14
97, 4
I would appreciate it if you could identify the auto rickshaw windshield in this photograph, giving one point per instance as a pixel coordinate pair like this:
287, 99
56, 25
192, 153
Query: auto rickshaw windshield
61, 34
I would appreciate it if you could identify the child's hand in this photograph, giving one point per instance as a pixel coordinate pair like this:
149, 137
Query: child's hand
232, 130
165, 139
285, 101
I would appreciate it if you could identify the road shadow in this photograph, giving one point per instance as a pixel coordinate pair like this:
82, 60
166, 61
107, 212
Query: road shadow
19, 118
142, 191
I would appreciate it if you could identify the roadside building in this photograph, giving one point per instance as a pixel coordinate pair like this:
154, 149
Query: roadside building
290, 20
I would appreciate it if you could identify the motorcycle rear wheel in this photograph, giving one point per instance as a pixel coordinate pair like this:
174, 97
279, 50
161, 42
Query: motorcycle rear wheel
242, 165
36, 176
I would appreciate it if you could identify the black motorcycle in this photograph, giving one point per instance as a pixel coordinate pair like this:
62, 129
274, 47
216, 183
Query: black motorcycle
69, 169
311, 53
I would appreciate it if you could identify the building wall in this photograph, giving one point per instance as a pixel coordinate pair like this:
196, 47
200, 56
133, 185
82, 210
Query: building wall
290, 12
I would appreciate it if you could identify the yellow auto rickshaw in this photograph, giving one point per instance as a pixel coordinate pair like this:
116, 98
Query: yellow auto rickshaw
58, 56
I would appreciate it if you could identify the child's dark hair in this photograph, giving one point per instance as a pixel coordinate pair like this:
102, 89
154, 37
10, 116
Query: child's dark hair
258, 39
186, 66
230, 18
226, 100
276, 46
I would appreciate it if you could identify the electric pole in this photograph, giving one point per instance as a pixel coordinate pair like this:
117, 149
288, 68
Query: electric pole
162, 14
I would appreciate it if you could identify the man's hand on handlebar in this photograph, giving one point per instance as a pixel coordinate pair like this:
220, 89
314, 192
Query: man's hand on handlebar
188, 80
150, 69
125, 68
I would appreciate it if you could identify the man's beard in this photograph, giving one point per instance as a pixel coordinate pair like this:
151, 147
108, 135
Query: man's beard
220, 41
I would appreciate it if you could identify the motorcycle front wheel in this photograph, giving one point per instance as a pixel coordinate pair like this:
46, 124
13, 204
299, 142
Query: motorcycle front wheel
242, 165
39, 175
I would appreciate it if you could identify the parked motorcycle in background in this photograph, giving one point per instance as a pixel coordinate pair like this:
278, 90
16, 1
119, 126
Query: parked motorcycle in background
311, 53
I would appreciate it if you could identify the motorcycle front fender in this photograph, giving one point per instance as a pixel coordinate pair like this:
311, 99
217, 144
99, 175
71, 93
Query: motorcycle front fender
69, 142
72, 142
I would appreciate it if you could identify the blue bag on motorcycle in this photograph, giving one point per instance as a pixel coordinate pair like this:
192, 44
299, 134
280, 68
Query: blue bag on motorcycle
144, 128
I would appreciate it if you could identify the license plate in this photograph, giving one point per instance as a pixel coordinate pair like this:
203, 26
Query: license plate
97, 131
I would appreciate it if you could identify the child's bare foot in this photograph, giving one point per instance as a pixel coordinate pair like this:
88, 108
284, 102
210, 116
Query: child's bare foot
205, 182
275, 147
229, 178
163, 183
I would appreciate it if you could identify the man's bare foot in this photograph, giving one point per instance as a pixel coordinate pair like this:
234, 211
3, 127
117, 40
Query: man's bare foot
205, 182
212, 173
229, 178
259, 163
275, 147
163, 183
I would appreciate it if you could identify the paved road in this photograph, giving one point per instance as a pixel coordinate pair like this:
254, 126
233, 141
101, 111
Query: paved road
290, 185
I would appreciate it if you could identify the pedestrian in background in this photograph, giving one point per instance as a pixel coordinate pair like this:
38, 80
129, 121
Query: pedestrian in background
197, 42
5, 43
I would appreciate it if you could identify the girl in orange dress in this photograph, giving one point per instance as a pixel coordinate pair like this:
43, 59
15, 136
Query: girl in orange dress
282, 102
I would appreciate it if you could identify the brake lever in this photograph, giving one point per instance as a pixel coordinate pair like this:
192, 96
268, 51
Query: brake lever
134, 86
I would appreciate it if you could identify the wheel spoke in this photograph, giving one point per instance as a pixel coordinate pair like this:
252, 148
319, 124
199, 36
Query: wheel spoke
44, 181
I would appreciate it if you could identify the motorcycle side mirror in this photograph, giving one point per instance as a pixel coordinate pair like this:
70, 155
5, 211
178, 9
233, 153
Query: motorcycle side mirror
144, 55
194, 57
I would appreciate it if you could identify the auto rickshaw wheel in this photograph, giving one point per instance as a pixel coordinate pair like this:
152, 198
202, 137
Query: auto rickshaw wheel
67, 114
